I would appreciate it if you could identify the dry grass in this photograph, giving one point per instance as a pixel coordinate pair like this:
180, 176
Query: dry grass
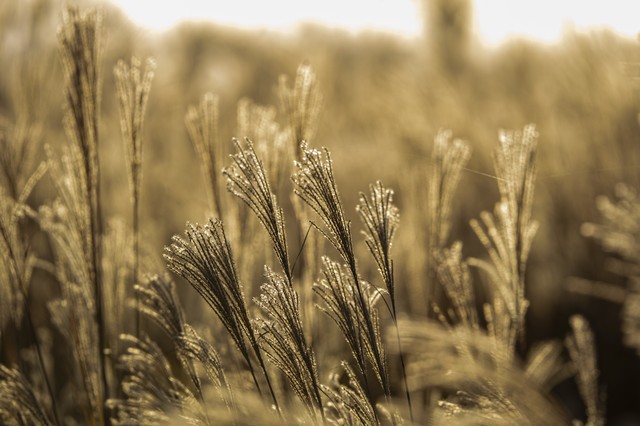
262, 357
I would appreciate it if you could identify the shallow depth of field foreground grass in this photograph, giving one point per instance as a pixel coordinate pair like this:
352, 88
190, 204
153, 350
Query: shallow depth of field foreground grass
302, 241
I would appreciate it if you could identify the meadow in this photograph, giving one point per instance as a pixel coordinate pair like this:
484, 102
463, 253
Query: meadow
215, 226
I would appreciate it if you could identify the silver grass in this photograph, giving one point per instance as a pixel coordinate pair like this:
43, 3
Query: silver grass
507, 234
80, 47
18, 403
619, 234
259, 124
159, 301
480, 370
316, 186
132, 87
619, 230
301, 105
380, 218
116, 267
73, 316
15, 262
581, 346
247, 179
68, 225
67, 220
202, 122
282, 339
19, 142
16, 267
202, 125
454, 276
349, 404
448, 158
205, 260
191, 345
71, 207
151, 392
545, 365
281, 333
353, 310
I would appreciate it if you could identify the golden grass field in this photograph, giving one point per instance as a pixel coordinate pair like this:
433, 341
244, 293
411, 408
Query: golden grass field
378, 230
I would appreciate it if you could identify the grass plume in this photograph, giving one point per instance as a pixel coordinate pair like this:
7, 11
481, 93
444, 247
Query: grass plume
132, 87
202, 125
205, 260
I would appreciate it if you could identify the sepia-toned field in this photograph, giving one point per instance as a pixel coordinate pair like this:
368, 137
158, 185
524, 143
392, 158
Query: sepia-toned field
215, 226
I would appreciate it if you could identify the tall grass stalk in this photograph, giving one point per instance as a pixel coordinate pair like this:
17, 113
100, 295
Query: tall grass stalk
205, 260
348, 298
508, 233
16, 271
448, 159
159, 301
301, 105
202, 125
133, 86
19, 141
80, 44
380, 218
581, 346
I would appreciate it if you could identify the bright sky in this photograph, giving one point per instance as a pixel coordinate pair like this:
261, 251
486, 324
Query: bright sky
495, 20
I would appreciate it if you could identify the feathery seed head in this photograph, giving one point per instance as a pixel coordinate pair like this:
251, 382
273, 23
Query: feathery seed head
380, 218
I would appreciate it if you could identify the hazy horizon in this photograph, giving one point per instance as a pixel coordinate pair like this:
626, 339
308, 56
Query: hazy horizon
494, 22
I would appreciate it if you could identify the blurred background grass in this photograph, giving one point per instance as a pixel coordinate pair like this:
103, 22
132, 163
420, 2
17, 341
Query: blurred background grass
384, 100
